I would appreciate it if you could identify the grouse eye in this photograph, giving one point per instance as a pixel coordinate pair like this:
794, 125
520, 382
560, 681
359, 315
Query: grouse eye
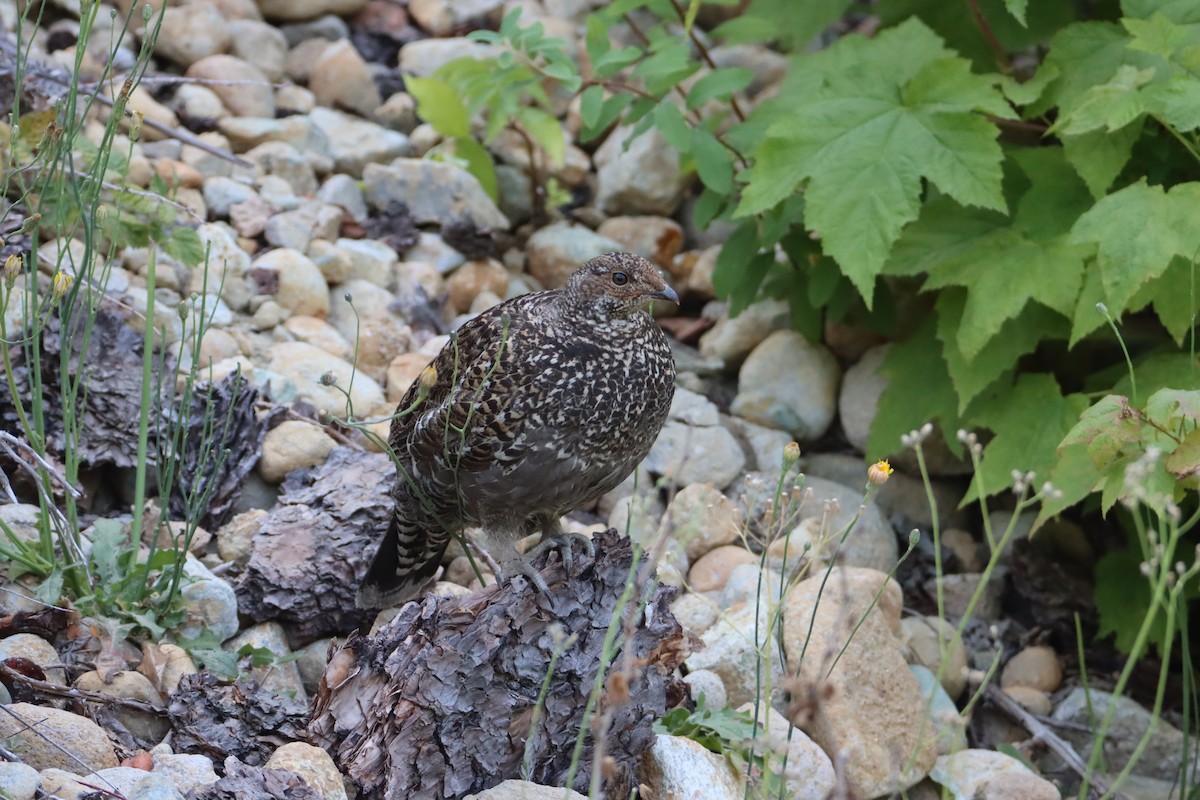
620, 278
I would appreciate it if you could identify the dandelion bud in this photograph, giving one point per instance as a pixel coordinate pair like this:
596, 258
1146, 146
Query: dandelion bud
914, 536
328, 379
135, 125
1180, 567
349, 298
791, 454
1102, 309
1145, 568
926, 429
61, 284
428, 377
30, 223
147, 12
12, 267
879, 472
182, 310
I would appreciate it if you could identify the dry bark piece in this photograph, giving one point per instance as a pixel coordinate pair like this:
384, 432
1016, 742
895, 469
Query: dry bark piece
312, 549
239, 719
439, 702
227, 410
394, 226
112, 386
246, 782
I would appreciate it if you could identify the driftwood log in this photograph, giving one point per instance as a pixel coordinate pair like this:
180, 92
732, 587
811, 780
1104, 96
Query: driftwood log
440, 702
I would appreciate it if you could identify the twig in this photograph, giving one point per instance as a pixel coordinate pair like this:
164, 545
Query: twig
1002, 59
1042, 733
53, 689
704, 54
23, 445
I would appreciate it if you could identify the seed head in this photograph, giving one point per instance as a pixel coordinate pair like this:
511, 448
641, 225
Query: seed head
328, 379
791, 454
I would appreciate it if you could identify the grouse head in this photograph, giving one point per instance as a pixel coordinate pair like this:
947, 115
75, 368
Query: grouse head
618, 285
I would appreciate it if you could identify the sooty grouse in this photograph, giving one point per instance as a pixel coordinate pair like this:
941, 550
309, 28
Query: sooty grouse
538, 406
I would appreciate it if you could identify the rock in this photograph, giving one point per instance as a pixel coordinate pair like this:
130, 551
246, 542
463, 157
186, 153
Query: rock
513, 188
368, 260
858, 402
154, 787
282, 677
210, 604
808, 772
731, 339
195, 104
752, 586
62, 784
301, 10
431, 250
227, 266
657, 239
312, 764
730, 650
702, 518
473, 277
923, 648
319, 333
556, 251
268, 315
1033, 667
1032, 700
435, 191
341, 79
294, 100
304, 365
402, 372
302, 133
311, 660
641, 176
1161, 757
705, 684
344, 192
241, 98
221, 193
695, 612
355, 142
235, 537
712, 570
169, 664
282, 160
301, 286
765, 445
37, 650
121, 779
903, 496
677, 767
146, 727
260, 44
443, 17
685, 454
290, 445
831, 507
959, 592
192, 32
424, 57
871, 709
397, 113
989, 775
20, 781
381, 332
789, 383
59, 735
949, 727
297, 229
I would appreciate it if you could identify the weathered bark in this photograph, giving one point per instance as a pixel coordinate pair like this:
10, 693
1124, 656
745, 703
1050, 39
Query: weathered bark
238, 719
313, 548
440, 701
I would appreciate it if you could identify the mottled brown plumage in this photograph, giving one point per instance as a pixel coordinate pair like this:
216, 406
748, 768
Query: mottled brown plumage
538, 406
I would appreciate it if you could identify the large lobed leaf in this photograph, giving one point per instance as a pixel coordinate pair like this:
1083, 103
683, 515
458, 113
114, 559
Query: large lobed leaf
886, 115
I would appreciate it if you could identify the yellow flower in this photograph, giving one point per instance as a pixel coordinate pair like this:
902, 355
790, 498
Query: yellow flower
879, 472
12, 267
62, 284
428, 378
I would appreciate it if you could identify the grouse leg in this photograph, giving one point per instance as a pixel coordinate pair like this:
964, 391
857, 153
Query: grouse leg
555, 538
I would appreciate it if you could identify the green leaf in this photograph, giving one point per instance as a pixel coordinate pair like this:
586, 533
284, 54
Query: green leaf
1029, 419
778, 21
108, 539
1122, 597
1138, 230
438, 105
1018, 336
740, 267
919, 390
183, 244
50, 590
1107, 106
1173, 410
1074, 476
1086, 318
1086, 54
479, 164
1177, 102
1110, 430
1017, 9
718, 84
863, 142
714, 163
614, 61
1176, 298
546, 131
1100, 156
674, 128
1184, 460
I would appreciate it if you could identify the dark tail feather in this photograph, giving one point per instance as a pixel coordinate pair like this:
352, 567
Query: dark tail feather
403, 564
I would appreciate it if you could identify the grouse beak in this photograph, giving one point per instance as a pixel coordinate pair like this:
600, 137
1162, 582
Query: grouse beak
666, 293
